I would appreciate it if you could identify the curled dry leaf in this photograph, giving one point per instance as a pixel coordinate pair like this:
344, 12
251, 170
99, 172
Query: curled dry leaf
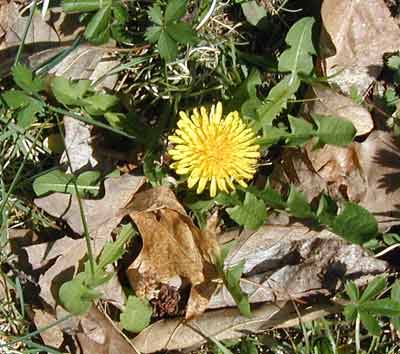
53, 337
365, 173
329, 102
176, 334
361, 32
172, 246
102, 216
289, 262
100, 336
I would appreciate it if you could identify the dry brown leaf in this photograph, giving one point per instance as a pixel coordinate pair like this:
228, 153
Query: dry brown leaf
289, 262
361, 31
177, 334
329, 102
172, 246
100, 336
53, 337
102, 217
365, 173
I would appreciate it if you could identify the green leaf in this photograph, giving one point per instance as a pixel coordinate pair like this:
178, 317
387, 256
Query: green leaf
298, 58
175, 10
394, 62
370, 323
69, 92
155, 14
16, 99
98, 27
181, 32
355, 224
395, 292
298, 205
27, 115
232, 278
276, 102
120, 13
352, 291
153, 34
99, 104
301, 131
113, 251
24, 78
249, 108
76, 297
153, 170
248, 346
251, 214
383, 307
327, 210
272, 135
59, 181
350, 312
334, 130
167, 47
272, 198
373, 289
136, 315
253, 12
75, 6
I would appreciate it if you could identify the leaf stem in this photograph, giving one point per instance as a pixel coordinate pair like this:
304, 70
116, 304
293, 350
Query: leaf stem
357, 334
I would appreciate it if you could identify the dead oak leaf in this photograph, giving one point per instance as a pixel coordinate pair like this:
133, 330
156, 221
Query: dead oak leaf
361, 32
172, 246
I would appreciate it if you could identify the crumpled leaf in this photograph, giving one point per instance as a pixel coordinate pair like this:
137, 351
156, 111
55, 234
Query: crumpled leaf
366, 173
361, 31
331, 103
289, 262
102, 216
100, 336
172, 244
223, 324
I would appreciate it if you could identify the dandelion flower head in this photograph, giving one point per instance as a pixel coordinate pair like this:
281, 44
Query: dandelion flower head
215, 152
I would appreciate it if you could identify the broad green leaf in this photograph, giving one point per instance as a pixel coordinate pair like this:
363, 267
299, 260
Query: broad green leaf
76, 297
301, 131
251, 214
370, 323
137, 314
69, 92
272, 198
352, 291
181, 32
120, 13
16, 99
350, 312
27, 115
272, 135
200, 209
391, 238
276, 102
153, 34
394, 62
232, 278
167, 46
355, 224
226, 199
76, 6
334, 130
24, 78
59, 181
253, 12
383, 307
113, 251
327, 210
395, 292
298, 205
98, 26
99, 104
175, 10
396, 322
155, 14
248, 88
249, 108
373, 289
298, 58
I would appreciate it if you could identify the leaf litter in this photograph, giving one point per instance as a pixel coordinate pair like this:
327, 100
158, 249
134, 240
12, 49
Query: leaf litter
280, 264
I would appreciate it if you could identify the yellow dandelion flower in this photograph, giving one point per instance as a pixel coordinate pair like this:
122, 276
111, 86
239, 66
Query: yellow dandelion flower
214, 151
